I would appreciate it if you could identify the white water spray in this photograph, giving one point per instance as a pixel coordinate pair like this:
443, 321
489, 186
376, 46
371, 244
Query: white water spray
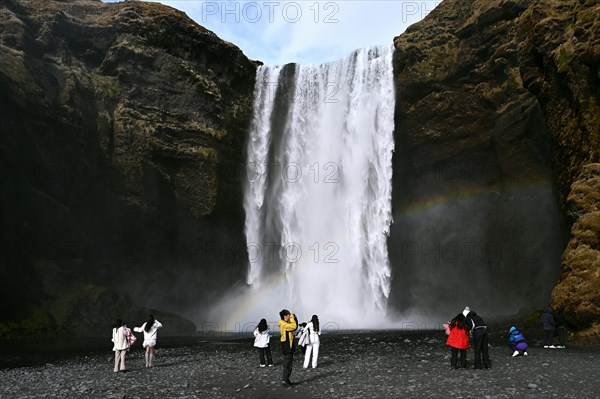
318, 196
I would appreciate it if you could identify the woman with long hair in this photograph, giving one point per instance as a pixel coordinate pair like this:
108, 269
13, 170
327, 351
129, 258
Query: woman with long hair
313, 343
120, 345
458, 341
150, 330
262, 337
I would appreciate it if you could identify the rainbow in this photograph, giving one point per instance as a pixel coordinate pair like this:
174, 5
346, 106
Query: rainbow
433, 203
253, 297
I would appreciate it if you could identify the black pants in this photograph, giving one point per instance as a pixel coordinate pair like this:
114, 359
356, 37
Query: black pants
480, 346
560, 332
548, 337
261, 354
303, 349
288, 361
463, 358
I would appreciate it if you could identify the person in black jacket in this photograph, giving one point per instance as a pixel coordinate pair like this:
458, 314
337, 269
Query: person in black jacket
478, 329
547, 321
559, 328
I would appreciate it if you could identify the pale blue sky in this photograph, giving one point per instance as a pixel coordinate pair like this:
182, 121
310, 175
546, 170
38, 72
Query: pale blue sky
304, 31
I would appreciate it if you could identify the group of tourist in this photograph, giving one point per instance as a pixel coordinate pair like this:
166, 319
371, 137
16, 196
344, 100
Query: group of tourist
123, 339
469, 324
308, 335
308, 339
466, 330
465, 324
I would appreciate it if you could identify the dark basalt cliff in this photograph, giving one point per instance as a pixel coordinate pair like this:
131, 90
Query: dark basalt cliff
121, 151
123, 128
560, 64
497, 109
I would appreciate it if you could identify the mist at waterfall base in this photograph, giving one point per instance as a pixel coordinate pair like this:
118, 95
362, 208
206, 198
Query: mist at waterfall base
318, 204
318, 195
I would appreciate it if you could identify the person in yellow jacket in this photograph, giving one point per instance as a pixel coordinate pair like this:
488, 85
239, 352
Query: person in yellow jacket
287, 325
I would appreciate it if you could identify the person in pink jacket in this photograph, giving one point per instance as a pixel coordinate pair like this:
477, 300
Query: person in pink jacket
458, 340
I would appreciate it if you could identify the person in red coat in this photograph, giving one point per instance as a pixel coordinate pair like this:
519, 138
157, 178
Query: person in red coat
458, 340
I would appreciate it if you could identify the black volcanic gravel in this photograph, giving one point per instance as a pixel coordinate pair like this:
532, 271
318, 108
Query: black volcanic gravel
381, 364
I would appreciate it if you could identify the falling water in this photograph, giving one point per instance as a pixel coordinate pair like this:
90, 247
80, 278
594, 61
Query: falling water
318, 195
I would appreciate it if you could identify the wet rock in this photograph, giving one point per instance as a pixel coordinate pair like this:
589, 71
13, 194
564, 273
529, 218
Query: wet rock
136, 116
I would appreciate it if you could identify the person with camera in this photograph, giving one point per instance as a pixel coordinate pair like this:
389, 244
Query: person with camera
287, 326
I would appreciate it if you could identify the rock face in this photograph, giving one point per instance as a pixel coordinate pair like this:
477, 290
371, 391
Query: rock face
560, 64
123, 129
579, 287
497, 116
121, 157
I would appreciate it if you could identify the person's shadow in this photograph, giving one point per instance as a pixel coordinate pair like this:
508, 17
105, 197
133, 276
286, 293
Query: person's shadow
171, 363
312, 375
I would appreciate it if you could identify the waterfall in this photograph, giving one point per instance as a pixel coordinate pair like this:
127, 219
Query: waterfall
318, 189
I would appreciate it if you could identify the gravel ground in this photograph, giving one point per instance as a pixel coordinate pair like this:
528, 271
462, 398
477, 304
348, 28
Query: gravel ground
383, 364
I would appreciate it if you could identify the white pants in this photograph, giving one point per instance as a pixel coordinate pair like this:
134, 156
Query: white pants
120, 358
314, 348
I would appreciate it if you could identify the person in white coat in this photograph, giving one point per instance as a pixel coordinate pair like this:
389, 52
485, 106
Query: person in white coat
313, 341
150, 330
120, 345
262, 338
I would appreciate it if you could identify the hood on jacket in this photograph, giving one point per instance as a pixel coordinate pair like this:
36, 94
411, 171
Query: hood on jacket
512, 328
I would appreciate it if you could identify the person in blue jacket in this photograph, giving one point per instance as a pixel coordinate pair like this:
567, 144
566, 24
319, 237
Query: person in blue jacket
517, 342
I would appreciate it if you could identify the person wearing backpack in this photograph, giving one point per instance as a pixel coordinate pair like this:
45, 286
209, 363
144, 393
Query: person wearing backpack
302, 338
313, 341
150, 330
120, 345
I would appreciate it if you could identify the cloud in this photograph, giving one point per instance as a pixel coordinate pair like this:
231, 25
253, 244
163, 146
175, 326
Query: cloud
305, 31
